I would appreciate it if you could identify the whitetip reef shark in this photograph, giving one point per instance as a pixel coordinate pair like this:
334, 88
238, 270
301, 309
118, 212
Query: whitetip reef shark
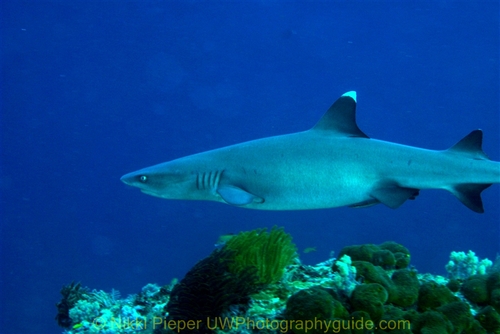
333, 164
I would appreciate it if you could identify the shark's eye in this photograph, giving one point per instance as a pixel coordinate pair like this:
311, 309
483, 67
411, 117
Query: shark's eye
143, 178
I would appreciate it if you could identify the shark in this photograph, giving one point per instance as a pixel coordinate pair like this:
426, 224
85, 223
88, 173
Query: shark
333, 164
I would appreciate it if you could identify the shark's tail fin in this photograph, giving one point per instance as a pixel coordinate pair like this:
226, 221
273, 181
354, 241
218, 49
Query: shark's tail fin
470, 194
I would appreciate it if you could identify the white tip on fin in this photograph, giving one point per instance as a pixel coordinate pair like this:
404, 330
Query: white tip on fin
351, 94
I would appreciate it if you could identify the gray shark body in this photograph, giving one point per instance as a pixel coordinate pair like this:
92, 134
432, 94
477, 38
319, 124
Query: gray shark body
331, 165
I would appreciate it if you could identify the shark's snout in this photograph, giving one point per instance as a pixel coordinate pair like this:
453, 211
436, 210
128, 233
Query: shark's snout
128, 179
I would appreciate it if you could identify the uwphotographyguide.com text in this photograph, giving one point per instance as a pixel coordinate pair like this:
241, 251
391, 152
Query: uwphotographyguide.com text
235, 323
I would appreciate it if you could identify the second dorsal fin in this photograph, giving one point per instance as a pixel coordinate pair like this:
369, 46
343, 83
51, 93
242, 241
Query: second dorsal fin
471, 145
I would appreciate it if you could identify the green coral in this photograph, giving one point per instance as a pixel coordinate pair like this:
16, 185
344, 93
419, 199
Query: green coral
400, 252
395, 321
370, 298
359, 317
388, 255
432, 322
383, 258
495, 299
369, 273
483, 289
454, 285
402, 286
404, 291
268, 252
489, 319
313, 304
432, 295
475, 289
459, 315
493, 283
360, 252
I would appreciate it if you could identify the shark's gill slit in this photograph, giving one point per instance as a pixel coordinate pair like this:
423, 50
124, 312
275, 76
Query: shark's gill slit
213, 176
208, 180
218, 175
204, 182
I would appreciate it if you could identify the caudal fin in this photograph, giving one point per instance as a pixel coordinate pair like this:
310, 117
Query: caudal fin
470, 195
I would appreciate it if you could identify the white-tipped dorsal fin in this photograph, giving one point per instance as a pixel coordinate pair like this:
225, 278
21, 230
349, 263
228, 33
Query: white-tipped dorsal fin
340, 118
351, 94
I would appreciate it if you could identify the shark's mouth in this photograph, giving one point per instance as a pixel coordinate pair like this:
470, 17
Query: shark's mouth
151, 193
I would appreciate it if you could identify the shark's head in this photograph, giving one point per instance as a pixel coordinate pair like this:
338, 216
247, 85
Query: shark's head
160, 181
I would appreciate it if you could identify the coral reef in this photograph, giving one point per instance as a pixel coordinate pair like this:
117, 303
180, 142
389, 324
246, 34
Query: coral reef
462, 266
254, 283
71, 293
102, 312
268, 252
344, 275
388, 255
313, 303
370, 298
209, 289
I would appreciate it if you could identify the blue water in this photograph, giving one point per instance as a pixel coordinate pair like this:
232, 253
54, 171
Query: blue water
91, 91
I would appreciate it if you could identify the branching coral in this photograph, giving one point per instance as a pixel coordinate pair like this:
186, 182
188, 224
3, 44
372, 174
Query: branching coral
268, 252
462, 266
103, 298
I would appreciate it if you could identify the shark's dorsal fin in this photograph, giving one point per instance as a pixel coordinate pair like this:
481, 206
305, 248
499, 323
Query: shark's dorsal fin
471, 145
340, 118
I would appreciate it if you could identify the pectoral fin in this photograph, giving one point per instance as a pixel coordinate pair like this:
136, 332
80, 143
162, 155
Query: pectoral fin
394, 196
236, 196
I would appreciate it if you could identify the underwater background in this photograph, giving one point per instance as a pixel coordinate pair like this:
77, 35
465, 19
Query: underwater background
93, 90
